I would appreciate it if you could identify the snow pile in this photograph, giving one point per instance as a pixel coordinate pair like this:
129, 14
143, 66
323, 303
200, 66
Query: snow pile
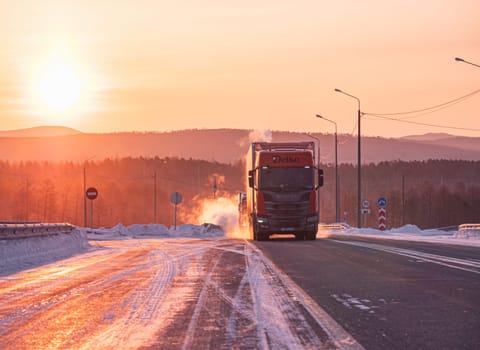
410, 232
23, 253
407, 229
154, 230
124, 232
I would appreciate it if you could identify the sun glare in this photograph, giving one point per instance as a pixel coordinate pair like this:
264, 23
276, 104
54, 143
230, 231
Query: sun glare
59, 87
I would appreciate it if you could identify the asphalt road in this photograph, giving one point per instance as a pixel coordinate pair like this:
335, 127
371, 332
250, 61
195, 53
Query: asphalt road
389, 294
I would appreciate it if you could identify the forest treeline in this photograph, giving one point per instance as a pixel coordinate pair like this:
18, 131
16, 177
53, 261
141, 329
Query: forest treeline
435, 193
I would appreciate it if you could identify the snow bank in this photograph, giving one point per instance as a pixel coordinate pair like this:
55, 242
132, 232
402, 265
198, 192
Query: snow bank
154, 230
407, 229
23, 253
20, 254
412, 232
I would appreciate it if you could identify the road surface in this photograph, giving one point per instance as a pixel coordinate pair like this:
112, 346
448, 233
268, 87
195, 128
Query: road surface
389, 294
163, 294
339, 292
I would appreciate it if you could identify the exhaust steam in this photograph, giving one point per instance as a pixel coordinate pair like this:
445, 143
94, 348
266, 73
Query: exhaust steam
222, 211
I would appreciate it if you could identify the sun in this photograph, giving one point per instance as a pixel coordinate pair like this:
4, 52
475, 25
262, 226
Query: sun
59, 88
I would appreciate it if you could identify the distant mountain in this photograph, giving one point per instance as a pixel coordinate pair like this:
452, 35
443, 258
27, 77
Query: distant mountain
441, 139
223, 145
428, 137
40, 131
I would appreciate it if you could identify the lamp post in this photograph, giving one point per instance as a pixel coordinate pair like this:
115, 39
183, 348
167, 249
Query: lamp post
318, 166
359, 162
337, 190
459, 59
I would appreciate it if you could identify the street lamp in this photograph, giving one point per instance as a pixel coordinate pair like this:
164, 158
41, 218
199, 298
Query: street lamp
318, 166
337, 190
359, 162
459, 59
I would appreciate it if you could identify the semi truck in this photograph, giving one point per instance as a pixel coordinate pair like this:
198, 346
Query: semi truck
282, 190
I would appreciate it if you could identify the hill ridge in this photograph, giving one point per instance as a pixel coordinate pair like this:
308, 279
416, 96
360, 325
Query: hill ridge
40, 131
226, 146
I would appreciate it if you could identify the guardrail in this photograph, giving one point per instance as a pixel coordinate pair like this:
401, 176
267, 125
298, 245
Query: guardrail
26, 230
337, 226
469, 227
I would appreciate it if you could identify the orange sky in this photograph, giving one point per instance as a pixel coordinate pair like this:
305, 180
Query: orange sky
151, 65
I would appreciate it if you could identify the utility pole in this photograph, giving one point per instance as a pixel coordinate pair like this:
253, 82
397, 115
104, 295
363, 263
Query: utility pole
155, 198
403, 199
214, 186
84, 195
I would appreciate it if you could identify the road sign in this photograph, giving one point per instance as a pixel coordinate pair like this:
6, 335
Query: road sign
382, 201
176, 198
365, 203
382, 218
91, 193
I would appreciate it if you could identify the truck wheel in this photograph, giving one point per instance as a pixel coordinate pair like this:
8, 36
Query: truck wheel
311, 236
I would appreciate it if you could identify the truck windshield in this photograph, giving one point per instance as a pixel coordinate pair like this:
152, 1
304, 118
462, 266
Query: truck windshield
287, 179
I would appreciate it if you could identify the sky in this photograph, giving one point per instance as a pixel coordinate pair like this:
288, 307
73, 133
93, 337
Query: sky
152, 65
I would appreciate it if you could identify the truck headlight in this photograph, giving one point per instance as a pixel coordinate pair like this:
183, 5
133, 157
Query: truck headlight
262, 220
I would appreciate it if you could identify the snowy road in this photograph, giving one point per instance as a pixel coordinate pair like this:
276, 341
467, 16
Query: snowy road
169, 294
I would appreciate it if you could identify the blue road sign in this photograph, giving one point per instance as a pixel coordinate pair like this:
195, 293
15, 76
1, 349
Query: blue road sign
382, 201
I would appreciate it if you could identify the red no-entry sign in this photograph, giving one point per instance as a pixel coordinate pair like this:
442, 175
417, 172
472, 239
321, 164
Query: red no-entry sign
91, 193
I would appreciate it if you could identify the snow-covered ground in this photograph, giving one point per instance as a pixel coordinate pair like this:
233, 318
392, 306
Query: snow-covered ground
154, 230
408, 232
165, 292
19, 254
23, 253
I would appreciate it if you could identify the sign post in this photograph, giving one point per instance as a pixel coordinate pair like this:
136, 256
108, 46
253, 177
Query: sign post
365, 210
91, 193
382, 213
175, 198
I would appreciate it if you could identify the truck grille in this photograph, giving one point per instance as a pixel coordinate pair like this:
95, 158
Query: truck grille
286, 214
